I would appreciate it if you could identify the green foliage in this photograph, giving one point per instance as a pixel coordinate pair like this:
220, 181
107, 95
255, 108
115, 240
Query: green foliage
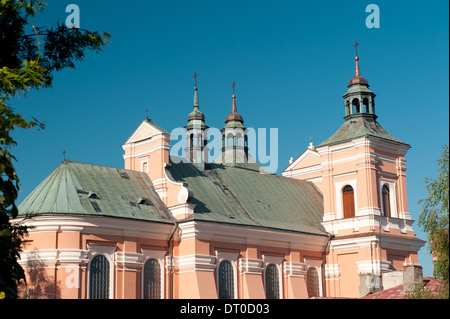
434, 216
27, 62
421, 292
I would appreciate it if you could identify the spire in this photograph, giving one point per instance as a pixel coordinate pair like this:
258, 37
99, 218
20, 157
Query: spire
234, 115
195, 97
195, 89
196, 114
357, 78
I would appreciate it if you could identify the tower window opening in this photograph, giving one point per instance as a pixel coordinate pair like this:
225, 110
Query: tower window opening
348, 200
386, 199
366, 106
356, 106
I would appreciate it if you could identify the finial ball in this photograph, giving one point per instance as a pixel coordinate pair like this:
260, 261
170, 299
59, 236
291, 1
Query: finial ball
356, 58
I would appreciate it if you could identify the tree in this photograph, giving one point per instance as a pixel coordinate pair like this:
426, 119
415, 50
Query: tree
434, 218
29, 57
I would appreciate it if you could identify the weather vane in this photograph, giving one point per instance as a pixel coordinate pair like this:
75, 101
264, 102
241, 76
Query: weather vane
356, 46
195, 77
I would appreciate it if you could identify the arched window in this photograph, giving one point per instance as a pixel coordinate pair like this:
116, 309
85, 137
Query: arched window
312, 282
226, 280
386, 199
152, 279
99, 278
272, 282
356, 106
366, 106
348, 200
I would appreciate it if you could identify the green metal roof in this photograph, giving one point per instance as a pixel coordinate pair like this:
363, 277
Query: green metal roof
242, 195
83, 189
360, 125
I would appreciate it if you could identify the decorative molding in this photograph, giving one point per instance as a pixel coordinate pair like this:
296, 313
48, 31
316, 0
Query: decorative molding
128, 260
190, 263
184, 210
371, 220
375, 267
251, 236
332, 271
251, 266
39, 257
104, 226
294, 269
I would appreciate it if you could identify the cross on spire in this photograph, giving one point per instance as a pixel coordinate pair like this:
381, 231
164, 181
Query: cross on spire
195, 77
233, 86
356, 46
146, 114
64, 154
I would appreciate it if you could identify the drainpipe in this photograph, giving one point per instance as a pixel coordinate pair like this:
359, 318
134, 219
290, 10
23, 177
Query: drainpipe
169, 251
330, 236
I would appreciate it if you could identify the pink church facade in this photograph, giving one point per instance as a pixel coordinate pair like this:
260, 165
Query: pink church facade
335, 224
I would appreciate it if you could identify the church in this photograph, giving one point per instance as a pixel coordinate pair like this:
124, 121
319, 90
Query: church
335, 224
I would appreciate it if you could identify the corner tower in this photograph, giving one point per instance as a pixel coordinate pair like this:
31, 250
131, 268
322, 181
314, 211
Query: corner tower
361, 172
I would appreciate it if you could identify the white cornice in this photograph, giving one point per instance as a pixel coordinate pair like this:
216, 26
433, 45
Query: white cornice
251, 235
104, 226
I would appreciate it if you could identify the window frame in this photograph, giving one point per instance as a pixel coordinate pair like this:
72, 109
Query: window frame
391, 185
339, 187
276, 288
232, 257
108, 252
159, 256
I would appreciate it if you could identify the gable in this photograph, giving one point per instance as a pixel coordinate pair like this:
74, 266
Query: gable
144, 131
310, 157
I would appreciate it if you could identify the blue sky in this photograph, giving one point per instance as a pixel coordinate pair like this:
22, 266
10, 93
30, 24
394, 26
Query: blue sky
291, 61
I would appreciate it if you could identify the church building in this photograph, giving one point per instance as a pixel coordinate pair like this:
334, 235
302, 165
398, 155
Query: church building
335, 224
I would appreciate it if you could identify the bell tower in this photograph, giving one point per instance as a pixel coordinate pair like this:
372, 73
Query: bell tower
358, 98
234, 136
361, 172
196, 139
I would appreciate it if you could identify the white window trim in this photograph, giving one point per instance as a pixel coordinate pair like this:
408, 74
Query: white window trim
278, 262
392, 197
339, 186
159, 256
316, 263
232, 257
144, 159
108, 252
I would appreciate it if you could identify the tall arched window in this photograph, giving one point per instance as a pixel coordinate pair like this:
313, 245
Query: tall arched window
226, 280
312, 282
348, 200
272, 282
386, 199
152, 279
99, 278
